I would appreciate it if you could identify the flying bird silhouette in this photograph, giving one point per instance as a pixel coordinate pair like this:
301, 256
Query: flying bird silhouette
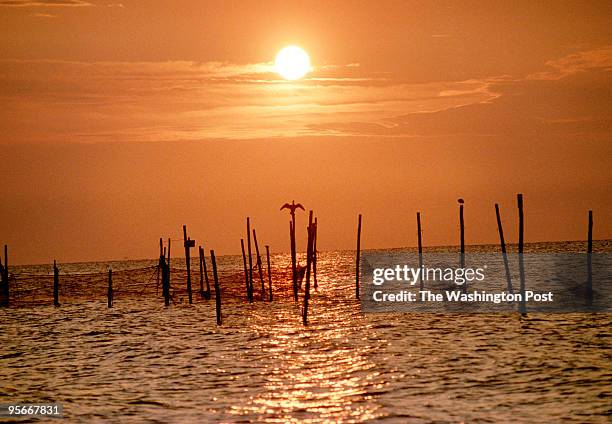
292, 207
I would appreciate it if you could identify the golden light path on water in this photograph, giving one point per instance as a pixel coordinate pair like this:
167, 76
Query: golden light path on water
327, 371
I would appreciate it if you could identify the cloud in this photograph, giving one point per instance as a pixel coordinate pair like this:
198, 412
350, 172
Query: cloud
44, 3
44, 15
186, 100
177, 100
578, 62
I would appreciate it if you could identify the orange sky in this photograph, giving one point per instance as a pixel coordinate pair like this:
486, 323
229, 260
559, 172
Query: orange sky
120, 121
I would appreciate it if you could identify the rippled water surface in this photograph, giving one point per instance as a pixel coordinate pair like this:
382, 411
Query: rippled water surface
140, 361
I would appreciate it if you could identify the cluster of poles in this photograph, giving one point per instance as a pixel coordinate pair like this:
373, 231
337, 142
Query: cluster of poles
163, 270
520, 250
298, 272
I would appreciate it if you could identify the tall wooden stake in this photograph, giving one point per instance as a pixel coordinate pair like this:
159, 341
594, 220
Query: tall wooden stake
293, 259
358, 258
55, 284
217, 289
161, 251
420, 246
263, 286
204, 273
5, 279
462, 234
188, 243
590, 261
169, 265
110, 287
250, 258
519, 198
308, 266
314, 255
165, 277
269, 272
462, 237
246, 273
502, 243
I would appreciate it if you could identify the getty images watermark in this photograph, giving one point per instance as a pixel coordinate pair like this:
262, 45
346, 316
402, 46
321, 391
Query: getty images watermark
395, 282
457, 276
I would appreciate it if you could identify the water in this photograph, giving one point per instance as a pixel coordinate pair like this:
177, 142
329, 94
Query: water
142, 362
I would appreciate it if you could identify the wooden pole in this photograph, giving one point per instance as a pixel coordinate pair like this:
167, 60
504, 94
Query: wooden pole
5, 279
293, 258
358, 258
590, 261
420, 246
269, 271
263, 286
110, 287
55, 284
217, 289
188, 243
461, 234
2, 283
246, 272
314, 255
250, 259
203, 270
165, 277
502, 243
169, 265
462, 237
519, 198
308, 265
161, 250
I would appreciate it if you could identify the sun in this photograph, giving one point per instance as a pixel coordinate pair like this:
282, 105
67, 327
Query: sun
292, 63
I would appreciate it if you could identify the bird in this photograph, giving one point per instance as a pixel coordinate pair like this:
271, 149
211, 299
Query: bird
460, 201
292, 207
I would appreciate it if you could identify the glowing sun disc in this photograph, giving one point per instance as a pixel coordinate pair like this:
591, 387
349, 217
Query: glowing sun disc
292, 62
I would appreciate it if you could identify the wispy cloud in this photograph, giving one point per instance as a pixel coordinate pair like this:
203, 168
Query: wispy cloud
578, 62
44, 15
44, 3
140, 101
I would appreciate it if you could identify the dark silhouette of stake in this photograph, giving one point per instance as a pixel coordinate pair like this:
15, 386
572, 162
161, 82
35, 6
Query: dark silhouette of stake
292, 208
165, 276
462, 237
314, 255
246, 272
250, 259
110, 287
263, 286
420, 244
589, 292
502, 243
188, 243
217, 289
4, 270
2, 282
161, 251
169, 266
55, 284
308, 266
358, 257
205, 294
293, 261
519, 198
269, 272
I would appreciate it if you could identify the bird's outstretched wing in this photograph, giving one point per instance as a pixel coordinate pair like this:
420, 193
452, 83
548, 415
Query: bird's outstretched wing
299, 205
285, 206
